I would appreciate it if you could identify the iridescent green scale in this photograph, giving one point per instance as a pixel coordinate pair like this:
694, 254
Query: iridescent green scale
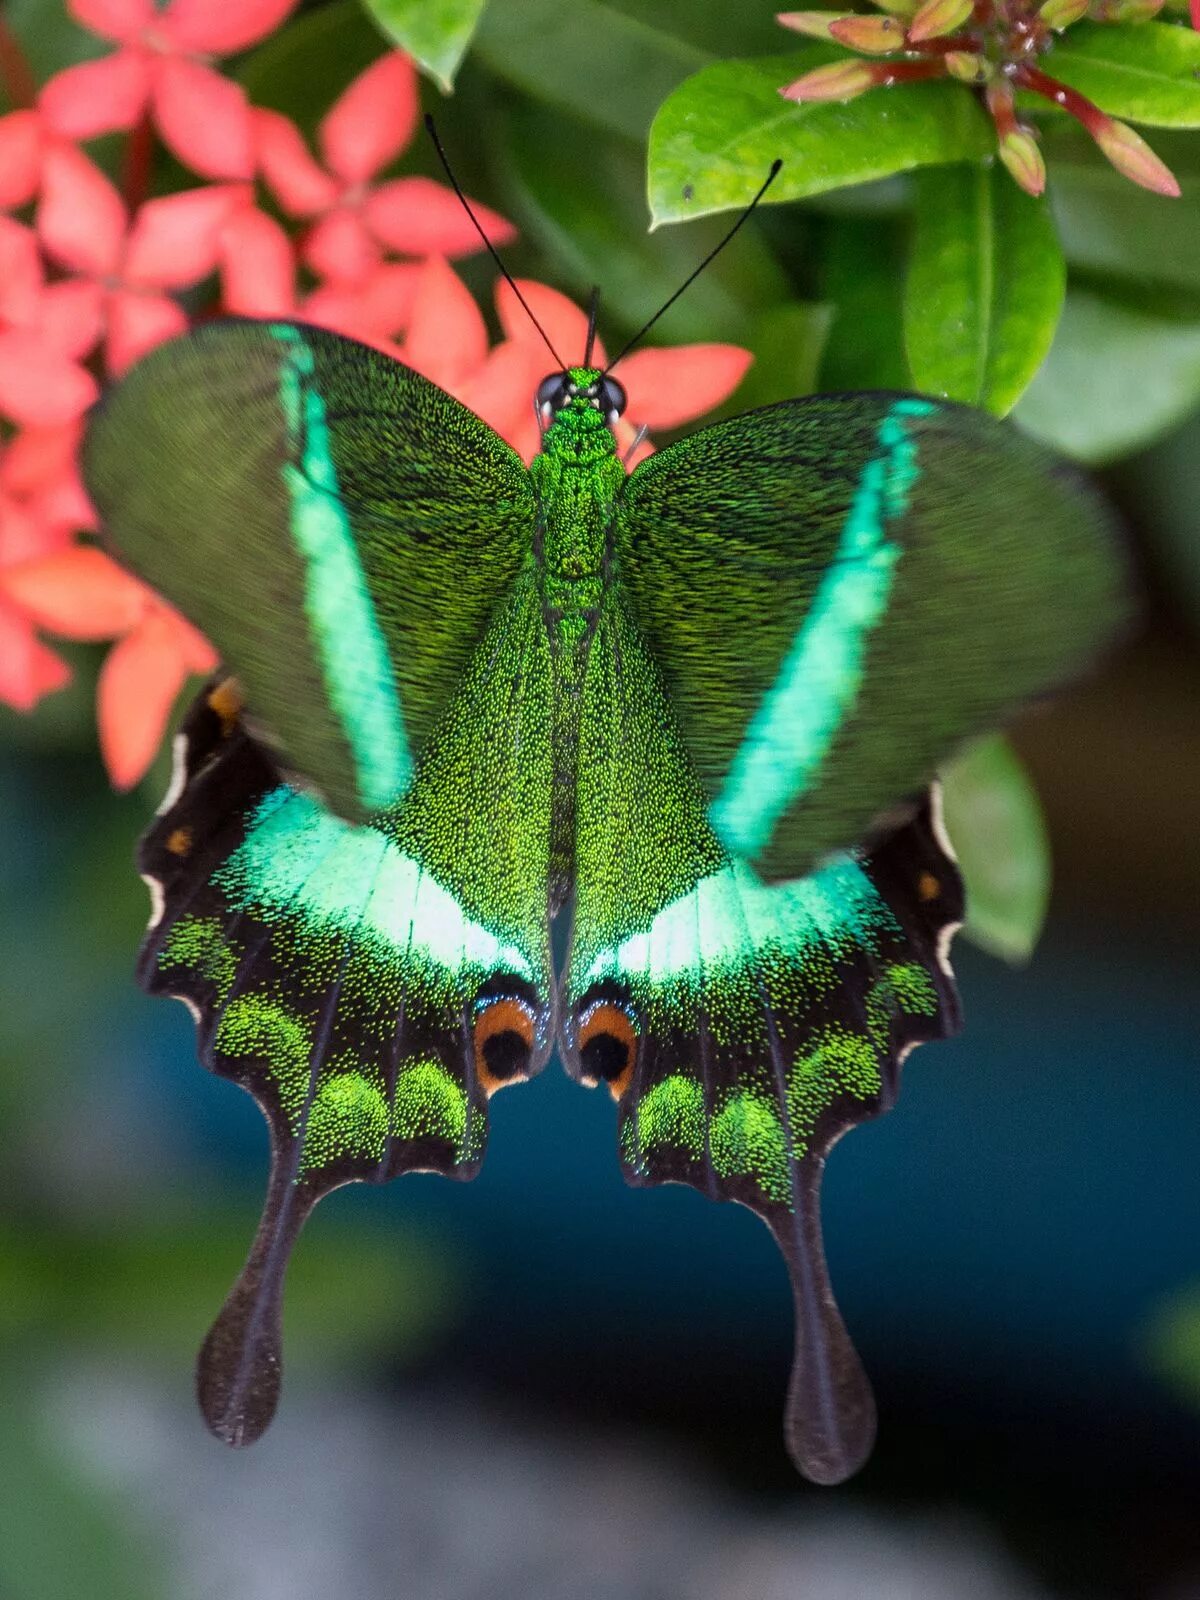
693, 713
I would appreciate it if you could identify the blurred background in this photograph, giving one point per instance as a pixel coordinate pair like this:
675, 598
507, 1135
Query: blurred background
543, 1384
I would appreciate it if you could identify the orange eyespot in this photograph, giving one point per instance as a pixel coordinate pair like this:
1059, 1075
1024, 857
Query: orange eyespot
179, 842
928, 887
226, 700
503, 1040
608, 1044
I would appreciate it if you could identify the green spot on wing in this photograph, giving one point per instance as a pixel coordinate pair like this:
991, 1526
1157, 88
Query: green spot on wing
348, 1118
255, 1026
747, 1140
199, 944
429, 1104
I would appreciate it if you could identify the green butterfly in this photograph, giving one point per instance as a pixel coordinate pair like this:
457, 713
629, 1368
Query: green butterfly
685, 721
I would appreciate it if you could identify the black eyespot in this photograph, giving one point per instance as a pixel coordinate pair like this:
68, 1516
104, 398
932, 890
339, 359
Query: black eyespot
612, 397
553, 391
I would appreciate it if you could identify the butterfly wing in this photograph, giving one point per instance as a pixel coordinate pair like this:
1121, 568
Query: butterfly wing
742, 1027
370, 984
337, 525
839, 590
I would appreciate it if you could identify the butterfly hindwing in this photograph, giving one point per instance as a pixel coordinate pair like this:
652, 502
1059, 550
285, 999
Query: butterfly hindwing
370, 984
315, 507
839, 590
742, 1026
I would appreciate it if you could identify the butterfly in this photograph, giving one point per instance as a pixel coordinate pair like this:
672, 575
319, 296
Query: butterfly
638, 767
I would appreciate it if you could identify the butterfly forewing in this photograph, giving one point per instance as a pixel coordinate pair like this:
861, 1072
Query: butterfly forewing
840, 590
340, 528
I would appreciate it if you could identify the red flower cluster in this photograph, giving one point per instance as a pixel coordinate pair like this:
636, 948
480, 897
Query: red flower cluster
91, 277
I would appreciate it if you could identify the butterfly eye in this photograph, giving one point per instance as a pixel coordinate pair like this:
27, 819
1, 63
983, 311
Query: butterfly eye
503, 1040
612, 398
608, 1046
552, 392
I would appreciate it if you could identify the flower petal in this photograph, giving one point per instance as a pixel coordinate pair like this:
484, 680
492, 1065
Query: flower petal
447, 337
418, 217
565, 325
20, 273
20, 158
668, 387
34, 458
176, 240
80, 593
38, 385
301, 187
72, 316
24, 533
138, 683
502, 392
113, 19
373, 121
28, 668
97, 96
137, 322
339, 248
203, 118
380, 308
219, 28
81, 218
258, 268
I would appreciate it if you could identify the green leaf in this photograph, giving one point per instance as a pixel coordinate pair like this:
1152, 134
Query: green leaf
985, 286
1146, 72
788, 344
995, 823
862, 272
435, 33
589, 218
1116, 377
605, 68
715, 138
1170, 1343
1109, 226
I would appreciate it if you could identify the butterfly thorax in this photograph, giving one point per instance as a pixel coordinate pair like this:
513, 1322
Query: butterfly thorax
576, 479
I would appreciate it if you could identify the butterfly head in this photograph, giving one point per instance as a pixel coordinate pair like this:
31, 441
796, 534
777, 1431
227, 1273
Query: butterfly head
580, 390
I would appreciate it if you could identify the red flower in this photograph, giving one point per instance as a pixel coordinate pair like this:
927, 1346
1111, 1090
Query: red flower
80, 593
447, 341
258, 279
358, 219
36, 518
20, 158
123, 270
162, 67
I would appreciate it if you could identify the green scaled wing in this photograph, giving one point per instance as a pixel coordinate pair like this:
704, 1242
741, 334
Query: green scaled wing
338, 526
740, 1026
839, 590
370, 984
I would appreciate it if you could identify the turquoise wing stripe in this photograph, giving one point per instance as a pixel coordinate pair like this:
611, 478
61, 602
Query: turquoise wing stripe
350, 644
298, 860
798, 718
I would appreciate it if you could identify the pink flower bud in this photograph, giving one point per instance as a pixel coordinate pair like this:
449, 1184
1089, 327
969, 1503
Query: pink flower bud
1060, 14
937, 17
1133, 157
813, 23
1020, 154
874, 36
841, 81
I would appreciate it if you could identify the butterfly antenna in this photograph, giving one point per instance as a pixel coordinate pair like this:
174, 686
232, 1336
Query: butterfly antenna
593, 307
431, 130
691, 278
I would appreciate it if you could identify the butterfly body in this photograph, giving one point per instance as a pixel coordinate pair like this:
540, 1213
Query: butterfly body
637, 766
